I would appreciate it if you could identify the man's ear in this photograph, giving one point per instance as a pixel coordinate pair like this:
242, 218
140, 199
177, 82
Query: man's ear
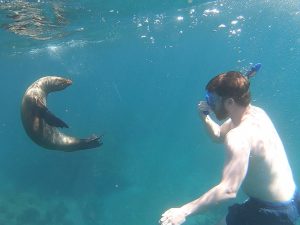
229, 102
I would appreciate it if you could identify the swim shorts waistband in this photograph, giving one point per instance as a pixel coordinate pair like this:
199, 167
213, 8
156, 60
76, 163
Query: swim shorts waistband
274, 205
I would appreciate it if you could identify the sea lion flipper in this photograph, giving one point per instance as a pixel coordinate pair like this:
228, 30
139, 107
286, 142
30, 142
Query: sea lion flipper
52, 120
91, 142
49, 117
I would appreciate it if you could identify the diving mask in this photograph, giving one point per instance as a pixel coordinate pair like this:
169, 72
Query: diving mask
211, 101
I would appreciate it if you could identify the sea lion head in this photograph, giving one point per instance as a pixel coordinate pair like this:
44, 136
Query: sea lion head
54, 83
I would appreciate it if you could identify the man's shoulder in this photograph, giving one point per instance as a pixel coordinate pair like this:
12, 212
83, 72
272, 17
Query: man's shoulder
254, 118
237, 134
258, 110
237, 142
241, 133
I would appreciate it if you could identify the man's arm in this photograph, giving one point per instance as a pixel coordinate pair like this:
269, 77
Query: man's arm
234, 172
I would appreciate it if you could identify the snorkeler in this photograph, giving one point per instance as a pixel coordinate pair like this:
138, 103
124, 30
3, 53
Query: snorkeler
256, 160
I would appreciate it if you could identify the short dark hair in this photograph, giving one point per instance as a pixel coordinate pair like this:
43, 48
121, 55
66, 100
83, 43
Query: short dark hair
231, 84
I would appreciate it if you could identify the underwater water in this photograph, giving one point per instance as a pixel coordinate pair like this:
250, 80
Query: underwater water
139, 69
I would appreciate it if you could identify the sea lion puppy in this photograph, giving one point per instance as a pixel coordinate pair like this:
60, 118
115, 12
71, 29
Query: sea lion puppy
41, 125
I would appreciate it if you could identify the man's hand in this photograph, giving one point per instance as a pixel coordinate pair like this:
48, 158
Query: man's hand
174, 216
203, 108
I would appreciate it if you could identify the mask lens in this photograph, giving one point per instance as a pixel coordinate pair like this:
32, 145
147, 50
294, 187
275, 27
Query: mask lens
210, 100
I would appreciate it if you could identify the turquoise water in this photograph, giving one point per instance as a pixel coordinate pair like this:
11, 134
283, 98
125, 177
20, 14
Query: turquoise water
138, 69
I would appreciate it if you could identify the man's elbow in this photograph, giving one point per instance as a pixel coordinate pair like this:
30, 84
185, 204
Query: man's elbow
229, 192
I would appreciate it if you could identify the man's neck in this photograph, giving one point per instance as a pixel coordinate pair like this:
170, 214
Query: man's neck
237, 114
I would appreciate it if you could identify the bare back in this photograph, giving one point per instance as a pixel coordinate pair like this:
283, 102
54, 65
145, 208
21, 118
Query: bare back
269, 176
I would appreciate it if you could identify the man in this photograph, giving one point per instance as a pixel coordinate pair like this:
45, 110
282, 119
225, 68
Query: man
256, 160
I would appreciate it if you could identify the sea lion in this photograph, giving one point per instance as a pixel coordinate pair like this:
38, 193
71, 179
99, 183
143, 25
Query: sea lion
41, 125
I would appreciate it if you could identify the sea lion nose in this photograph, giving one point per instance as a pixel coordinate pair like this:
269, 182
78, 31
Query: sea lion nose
69, 82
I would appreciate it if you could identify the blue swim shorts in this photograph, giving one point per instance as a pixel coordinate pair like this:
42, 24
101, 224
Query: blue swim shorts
257, 212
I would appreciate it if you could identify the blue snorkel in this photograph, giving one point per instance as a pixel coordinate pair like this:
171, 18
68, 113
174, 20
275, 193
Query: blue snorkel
253, 70
249, 74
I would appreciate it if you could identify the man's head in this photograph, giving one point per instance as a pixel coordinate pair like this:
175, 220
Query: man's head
230, 87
